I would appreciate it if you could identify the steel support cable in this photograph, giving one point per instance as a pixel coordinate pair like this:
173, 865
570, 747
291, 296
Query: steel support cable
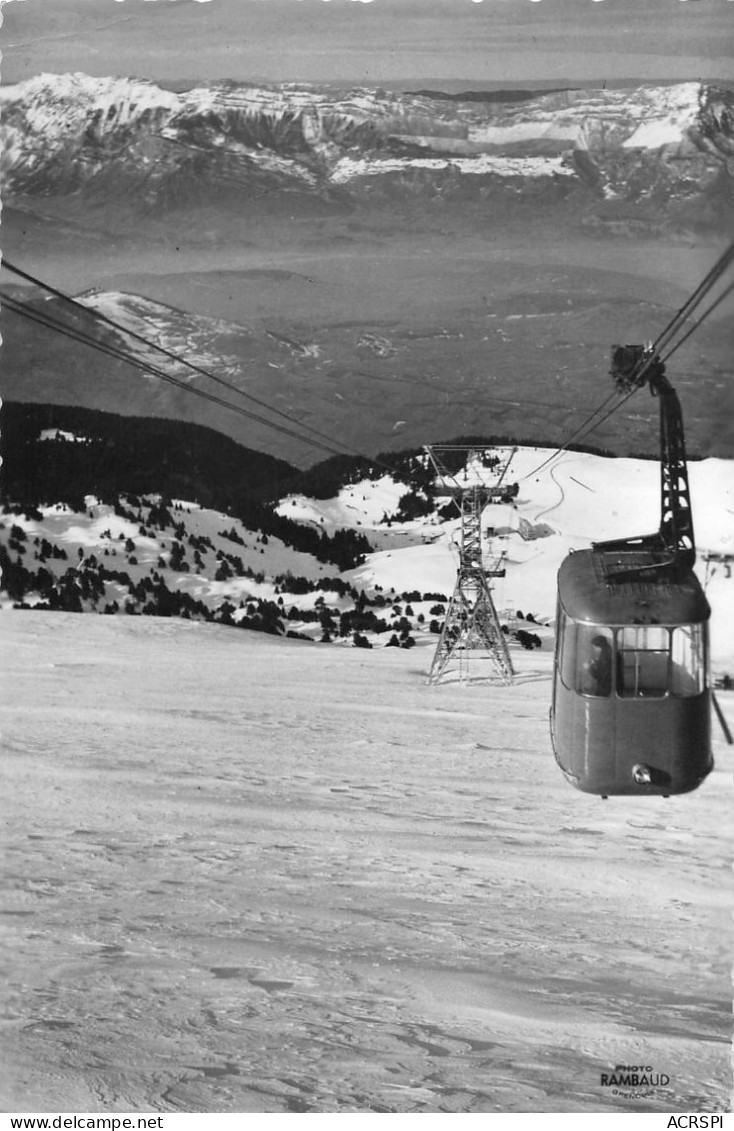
583, 429
111, 351
611, 411
722, 264
713, 276
663, 339
725, 294
670, 353
699, 294
53, 324
99, 317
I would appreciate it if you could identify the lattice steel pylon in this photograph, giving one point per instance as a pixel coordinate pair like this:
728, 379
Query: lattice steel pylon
471, 622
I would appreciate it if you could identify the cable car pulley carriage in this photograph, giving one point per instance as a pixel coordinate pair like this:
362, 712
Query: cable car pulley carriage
631, 709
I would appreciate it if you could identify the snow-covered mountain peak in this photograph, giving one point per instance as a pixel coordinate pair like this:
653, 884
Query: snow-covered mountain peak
64, 133
50, 99
114, 101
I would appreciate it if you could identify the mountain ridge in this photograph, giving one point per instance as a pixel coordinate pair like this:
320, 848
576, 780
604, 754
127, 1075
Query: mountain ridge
73, 133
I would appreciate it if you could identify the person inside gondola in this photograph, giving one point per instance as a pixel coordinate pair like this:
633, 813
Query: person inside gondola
599, 667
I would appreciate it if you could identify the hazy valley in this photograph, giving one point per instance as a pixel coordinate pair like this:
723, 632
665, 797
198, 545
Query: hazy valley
470, 273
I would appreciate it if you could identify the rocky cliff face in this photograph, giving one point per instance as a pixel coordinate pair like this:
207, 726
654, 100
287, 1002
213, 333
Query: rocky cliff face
668, 149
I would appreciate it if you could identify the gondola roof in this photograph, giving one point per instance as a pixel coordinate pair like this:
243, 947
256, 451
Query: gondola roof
603, 587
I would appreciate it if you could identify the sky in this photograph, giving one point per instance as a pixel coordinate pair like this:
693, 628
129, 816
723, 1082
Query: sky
371, 41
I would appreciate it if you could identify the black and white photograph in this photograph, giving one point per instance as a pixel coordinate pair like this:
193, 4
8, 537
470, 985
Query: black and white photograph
367, 552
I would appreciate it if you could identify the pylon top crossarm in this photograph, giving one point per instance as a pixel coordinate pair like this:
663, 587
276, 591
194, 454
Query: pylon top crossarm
457, 491
477, 462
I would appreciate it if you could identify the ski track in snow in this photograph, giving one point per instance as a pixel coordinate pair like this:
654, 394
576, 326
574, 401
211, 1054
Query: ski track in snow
249, 874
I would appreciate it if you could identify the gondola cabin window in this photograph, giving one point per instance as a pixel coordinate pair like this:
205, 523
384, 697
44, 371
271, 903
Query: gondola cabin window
586, 658
633, 661
644, 653
689, 660
655, 661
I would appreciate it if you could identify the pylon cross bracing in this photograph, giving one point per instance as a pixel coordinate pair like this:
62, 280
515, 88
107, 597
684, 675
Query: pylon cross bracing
471, 623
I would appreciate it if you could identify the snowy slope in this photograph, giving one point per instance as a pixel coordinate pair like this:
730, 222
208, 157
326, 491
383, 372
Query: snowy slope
566, 505
576, 500
253, 875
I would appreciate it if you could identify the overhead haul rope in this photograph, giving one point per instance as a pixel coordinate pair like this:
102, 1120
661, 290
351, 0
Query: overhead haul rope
54, 324
718, 269
725, 294
663, 339
47, 320
98, 316
588, 425
582, 430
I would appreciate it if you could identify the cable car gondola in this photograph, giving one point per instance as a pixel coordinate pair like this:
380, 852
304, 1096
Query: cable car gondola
631, 694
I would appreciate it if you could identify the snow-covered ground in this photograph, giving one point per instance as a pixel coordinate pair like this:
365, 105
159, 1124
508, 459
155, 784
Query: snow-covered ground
251, 874
563, 505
